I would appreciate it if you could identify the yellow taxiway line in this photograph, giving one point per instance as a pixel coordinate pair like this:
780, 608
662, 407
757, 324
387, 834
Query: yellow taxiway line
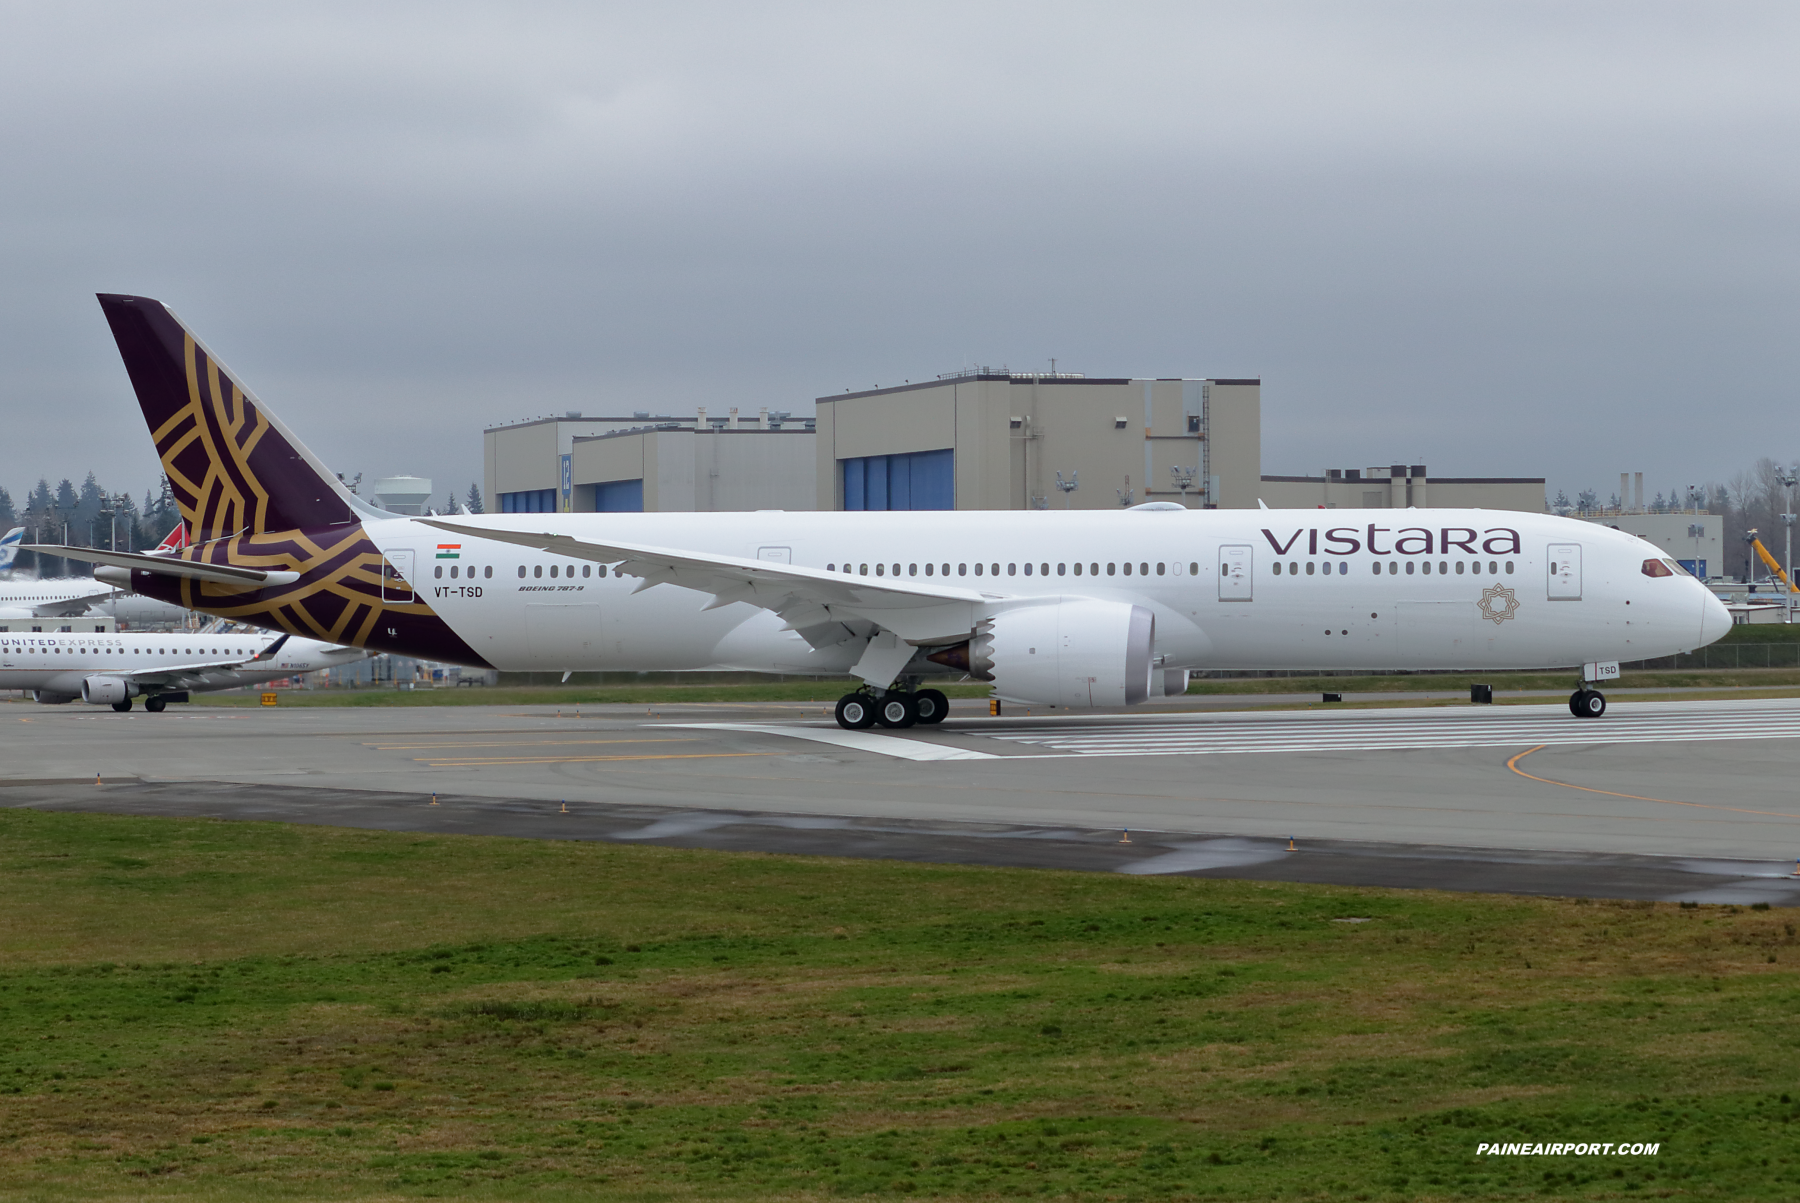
1513, 764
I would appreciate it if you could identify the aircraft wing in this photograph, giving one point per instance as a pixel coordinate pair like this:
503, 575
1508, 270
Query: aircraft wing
822, 606
181, 676
69, 607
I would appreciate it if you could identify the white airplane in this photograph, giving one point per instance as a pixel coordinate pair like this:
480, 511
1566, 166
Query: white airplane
110, 669
70, 597
1078, 610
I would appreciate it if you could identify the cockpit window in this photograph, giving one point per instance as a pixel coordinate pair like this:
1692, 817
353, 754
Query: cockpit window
1675, 567
1657, 568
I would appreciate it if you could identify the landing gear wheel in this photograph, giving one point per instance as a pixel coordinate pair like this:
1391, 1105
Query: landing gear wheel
123, 705
154, 705
1587, 703
856, 711
933, 706
897, 710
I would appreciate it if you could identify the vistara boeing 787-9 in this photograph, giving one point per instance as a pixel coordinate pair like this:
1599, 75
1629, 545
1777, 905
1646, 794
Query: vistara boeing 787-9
1079, 610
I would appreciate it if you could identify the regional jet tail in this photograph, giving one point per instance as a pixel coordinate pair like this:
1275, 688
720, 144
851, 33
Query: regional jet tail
9, 546
175, 540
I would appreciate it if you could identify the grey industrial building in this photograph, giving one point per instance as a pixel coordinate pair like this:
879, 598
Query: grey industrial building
982, 439
1398, 486
654, 463
996, 440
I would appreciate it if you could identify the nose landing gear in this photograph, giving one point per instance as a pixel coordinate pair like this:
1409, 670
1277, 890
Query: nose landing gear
1587, 703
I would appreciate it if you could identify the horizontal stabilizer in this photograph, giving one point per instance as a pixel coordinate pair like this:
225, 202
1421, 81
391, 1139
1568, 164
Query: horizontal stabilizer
242, 579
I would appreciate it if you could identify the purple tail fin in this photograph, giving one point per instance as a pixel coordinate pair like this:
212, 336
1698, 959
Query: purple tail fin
233, 466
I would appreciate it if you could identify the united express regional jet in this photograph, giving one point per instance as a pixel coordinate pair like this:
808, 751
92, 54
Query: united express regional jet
1079, 610
112, 668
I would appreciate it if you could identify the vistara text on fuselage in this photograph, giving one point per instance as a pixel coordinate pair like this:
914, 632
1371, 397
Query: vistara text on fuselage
1082, 609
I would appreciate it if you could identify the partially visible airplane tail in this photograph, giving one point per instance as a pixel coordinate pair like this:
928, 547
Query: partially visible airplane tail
175, 540
9, 546
233, 467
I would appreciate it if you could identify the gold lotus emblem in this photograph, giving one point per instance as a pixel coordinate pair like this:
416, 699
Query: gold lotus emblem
1497, 603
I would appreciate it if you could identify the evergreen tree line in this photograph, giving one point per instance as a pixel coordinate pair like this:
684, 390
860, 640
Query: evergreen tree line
90, 516
85, 516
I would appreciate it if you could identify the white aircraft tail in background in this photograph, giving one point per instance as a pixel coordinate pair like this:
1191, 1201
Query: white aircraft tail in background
9, 546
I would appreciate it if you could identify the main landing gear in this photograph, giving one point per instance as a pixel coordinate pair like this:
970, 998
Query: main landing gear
896, 708
122, 705
154, 705
1587, 703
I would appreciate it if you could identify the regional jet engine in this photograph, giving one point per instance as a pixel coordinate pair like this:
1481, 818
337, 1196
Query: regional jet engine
103, 691
1079, 654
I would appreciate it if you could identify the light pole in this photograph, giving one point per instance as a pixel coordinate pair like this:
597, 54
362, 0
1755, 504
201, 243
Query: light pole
1788, 477
109, 510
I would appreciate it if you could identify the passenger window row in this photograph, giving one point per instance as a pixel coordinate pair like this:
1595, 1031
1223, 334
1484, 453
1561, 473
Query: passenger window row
123, 651
537, 570
438, 571
1423, 567
1015, 569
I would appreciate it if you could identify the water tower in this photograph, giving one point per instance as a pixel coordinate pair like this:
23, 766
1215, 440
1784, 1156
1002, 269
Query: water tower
403, 494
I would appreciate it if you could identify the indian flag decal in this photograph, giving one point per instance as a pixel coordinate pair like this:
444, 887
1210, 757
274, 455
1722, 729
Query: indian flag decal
449, 551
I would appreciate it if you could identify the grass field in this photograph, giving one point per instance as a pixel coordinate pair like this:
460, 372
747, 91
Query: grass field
206, 1010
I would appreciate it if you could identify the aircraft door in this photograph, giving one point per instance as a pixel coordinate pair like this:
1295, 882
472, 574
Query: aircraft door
396, 576
1237, 572
1564, 561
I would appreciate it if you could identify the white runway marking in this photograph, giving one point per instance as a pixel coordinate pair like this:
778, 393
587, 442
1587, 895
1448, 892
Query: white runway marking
1360, 731
862, 741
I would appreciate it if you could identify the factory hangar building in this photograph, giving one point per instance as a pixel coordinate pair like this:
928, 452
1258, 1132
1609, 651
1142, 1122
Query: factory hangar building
982, 439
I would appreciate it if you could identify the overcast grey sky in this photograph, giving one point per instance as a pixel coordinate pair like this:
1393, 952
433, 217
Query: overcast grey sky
1548, 239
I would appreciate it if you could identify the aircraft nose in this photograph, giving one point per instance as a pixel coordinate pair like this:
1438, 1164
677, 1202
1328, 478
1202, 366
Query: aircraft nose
1715, 620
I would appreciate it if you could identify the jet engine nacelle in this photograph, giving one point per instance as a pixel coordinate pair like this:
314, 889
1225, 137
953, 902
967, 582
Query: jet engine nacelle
104, 691
1080, 654
51, 697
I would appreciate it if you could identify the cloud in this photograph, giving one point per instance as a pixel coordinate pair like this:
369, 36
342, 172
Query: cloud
1507, 238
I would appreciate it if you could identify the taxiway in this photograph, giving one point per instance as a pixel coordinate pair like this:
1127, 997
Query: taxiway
1658, 799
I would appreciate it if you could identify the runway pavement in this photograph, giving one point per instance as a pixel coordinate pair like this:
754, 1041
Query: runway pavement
1657, 799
